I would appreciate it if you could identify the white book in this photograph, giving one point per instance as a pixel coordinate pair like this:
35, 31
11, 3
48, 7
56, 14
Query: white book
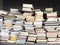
17, 26
29, 42
28, 5
31, 38
9, 41
39, 13
41, 41
24, 33
28, 23
52, 14
52, 42
5, 30
14, 33
32, 28
27, 14
26, 9
52, 39
41, 34
3, 12
38, 23
32, 35
52, 35
41, 37
12, 10
52, 19
8, 21
19, 23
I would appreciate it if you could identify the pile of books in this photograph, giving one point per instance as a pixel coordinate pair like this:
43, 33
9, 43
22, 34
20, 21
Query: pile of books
41, 36
52, 36
52, 21
19, 28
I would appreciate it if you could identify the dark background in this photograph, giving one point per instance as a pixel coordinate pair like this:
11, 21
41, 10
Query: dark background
41, 4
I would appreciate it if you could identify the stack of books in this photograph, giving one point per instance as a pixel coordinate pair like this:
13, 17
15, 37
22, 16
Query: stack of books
41, 36
58, 36
27, 7
52, 21
8, 24
21, 39
52, 36
38, 19
29, 27
4, 35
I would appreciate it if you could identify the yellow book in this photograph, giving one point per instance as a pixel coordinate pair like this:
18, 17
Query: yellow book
13, 39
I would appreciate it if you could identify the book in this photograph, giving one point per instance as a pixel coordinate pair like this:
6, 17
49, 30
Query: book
26, 9
13, 10
51, 34
31, 38
21, 41
24, 33
48, 10
28, 23
3, 12
41, 37
27, 6
39, 13
52, 19
52, 14
41, 41
30, 31
30, 18
27, 14
51, 39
